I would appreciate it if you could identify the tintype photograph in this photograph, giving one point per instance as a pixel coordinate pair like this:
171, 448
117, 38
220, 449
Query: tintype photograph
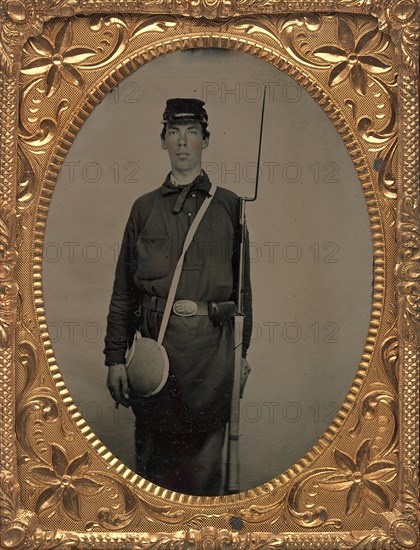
209, 259
144, 163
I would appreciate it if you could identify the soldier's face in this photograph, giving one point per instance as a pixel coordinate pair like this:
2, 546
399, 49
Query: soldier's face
184, 143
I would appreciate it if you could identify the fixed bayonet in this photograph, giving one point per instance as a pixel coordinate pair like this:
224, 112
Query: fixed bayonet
232, 474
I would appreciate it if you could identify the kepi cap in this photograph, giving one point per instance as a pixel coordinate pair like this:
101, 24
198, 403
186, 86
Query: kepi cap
185, 109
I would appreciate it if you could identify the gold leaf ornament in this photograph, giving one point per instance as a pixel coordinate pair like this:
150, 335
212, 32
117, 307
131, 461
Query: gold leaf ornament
311, 516
361, 477
8, 252
9, 496
8, 297
55, 60
154, 24
26, 180
66, 481
17, 17
252, 26
356, 59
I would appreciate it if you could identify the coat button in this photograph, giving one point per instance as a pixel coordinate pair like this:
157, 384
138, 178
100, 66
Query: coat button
189, 214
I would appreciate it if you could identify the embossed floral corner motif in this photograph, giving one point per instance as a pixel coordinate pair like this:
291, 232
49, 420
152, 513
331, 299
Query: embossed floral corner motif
400, 19
57, 60
358, 58
20, 19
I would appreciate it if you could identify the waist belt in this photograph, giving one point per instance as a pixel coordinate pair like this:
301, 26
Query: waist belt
184, 308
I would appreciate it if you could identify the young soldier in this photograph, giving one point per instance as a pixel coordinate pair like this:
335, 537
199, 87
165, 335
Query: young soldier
180, 431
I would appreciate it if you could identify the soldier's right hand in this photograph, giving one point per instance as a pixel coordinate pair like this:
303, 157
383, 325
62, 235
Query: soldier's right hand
117, 383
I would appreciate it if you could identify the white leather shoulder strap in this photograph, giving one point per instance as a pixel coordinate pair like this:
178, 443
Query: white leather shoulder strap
178, 269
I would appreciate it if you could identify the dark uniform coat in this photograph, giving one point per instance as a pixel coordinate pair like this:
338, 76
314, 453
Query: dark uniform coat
197, 395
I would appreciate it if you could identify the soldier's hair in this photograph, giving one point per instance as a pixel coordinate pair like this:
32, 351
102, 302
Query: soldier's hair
204, 130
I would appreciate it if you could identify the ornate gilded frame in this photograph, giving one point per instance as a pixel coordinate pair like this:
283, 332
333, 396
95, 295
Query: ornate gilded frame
60, 487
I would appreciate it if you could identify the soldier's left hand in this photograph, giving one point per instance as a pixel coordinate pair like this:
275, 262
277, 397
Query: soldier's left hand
245, 370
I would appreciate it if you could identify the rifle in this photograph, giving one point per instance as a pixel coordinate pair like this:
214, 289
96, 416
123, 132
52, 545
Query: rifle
232, 471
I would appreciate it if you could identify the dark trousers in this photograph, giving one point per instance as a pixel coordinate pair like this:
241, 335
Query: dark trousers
188, 463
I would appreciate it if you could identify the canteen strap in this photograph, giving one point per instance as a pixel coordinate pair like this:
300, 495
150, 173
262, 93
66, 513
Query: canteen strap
178, 269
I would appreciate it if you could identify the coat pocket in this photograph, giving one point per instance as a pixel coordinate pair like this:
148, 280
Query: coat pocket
153, 255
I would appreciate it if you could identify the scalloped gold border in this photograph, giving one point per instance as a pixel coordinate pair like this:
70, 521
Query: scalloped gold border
400, 18
65, 141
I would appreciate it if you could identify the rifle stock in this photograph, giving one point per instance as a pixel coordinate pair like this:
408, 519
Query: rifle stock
232, 477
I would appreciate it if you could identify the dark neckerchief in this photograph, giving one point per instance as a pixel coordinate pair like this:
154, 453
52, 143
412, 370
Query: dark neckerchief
201, 183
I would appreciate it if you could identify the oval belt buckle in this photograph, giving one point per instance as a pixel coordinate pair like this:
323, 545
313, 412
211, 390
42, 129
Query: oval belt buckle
185, 308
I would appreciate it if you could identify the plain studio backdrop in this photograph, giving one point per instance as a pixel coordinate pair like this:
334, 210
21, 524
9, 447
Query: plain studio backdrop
311, 249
